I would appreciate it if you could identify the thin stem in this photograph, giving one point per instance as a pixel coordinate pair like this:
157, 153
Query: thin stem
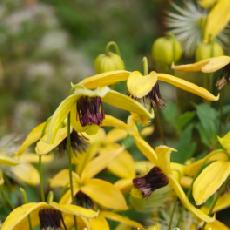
221, 108
25, 201
160, 127
172, 215
145, 65
112, 44
68, 149
42, 191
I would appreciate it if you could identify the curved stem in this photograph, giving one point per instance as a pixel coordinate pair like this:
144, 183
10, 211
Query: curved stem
68, 149
172, 215
112, 44
42, 191
145, 65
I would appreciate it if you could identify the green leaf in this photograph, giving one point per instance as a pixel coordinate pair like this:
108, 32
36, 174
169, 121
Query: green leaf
184, 119
208, 124
170, 113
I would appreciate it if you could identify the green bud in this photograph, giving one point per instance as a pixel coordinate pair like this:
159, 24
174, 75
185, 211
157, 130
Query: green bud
208, 50
166, 50
109, 61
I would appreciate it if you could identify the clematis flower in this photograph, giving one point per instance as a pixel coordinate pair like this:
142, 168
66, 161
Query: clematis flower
160, 157
21, 168
145, 88
209, 66
98, 190
47, 215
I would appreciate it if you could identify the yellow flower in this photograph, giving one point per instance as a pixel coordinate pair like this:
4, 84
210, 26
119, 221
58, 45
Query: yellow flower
225, 142
89, 108
98, 190
21, 167
218, 18
51, 215
161, 158
140, 86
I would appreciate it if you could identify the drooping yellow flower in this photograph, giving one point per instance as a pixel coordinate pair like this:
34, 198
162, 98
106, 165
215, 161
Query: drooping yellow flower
48, 215
98, 190
140, 86
161, 158
218, 18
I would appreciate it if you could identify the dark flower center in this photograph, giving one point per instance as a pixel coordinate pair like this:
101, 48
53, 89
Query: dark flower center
79, 143
90, 110
83, 200
225, 78
155, 179
153, 99
51, 219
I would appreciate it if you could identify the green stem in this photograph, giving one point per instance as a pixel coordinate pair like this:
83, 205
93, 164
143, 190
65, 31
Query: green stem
112, 44
160, 127
68, 149
42, 191
145, 65
221, 107
172, 215
25, 200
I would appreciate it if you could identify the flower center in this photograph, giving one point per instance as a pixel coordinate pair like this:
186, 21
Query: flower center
51, 219
155, 179
79, 143
90, 110
83, 200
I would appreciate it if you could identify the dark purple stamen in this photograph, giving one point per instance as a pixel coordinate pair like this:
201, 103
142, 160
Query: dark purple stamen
225, 79
155, 179
83, 200
51, 219
79, 143
90, 110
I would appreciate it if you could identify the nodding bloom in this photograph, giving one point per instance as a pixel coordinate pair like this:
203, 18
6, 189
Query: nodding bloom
47, 215
155, 179
51, 219
210, 65
145, 88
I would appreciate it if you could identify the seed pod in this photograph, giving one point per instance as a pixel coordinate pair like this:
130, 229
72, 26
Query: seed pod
109, 61
166, 50
208, 50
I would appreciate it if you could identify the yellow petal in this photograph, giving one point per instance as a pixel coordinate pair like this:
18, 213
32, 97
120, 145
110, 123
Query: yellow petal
26, 173
225, 141
61, 179
216, 225
44, 147
143, 167
188, 86
217, 19
223, 202
34, 158
210, 179
193, 168
207, 3
123, 165
31, 138
116, 135
121, 219
6, 160
122, 101
194, 67
98, 222
185, 201
99, 163
104, 79
111, 121
67, 197
104, 193
139, 85
124, 184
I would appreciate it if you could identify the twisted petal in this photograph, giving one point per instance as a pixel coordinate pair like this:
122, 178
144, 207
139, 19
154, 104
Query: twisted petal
188, 86
218, 18
17, 219
104, 79
223, 202
31, 138
98, 222
139, 85
206, 66
104, 193
111, 121
210, 180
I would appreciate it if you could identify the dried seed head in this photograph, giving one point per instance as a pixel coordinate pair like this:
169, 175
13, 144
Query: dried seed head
155, 179
225, 79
